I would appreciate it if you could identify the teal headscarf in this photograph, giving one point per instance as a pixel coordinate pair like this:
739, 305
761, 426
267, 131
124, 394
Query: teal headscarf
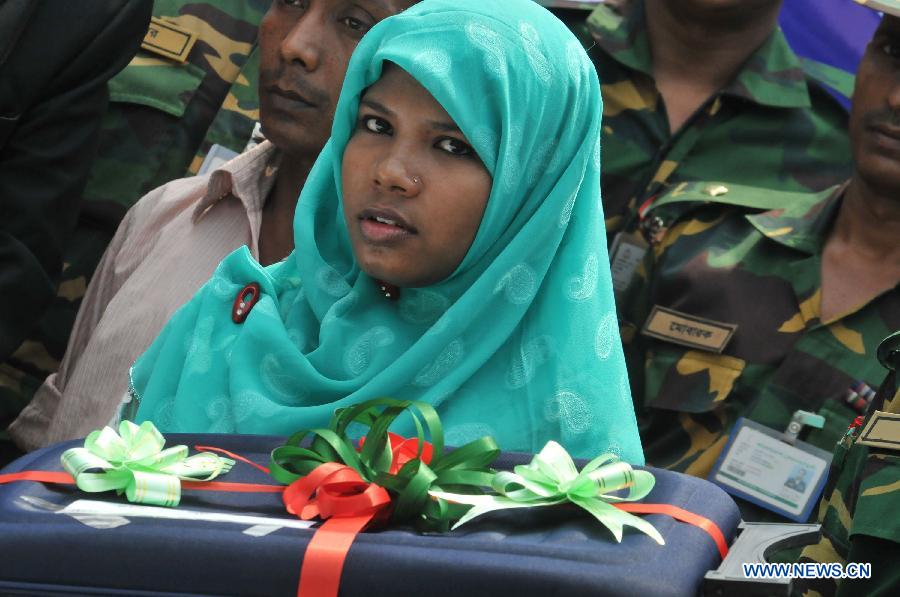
520, 342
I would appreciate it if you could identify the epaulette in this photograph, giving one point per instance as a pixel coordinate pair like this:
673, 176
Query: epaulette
740, 195
832, 77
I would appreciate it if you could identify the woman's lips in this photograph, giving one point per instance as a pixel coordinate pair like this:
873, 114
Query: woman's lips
381, 232
382, 225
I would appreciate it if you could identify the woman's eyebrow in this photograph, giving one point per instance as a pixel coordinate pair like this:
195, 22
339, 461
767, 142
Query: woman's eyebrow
447, 127
376, 106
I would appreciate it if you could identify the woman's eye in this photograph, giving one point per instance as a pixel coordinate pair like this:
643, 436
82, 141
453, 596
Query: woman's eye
355, 24
293, 3
454, 146
377, 125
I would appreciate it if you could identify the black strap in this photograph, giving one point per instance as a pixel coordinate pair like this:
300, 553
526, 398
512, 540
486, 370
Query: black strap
886, 391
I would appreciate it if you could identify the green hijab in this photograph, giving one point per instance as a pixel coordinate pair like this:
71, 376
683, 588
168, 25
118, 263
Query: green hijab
521, 342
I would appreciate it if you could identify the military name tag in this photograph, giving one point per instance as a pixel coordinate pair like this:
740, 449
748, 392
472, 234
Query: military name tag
688, 330
168, 40
882, 431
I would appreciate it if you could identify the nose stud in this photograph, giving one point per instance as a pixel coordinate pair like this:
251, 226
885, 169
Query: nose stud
416, 180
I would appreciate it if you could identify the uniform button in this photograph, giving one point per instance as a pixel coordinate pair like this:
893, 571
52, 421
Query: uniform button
715, 190
653, 228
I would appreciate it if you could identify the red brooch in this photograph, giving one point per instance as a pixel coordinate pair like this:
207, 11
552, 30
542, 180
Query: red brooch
246, 298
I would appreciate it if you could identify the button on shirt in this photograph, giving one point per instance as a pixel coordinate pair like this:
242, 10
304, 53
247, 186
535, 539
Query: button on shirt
168, 246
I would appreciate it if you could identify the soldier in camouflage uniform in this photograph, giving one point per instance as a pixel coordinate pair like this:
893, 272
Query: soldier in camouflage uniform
771, 125
859, 511
166, 111
767, 122
757, 274
742, 312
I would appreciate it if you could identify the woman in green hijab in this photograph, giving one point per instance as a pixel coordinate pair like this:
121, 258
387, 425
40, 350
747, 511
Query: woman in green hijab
449, 248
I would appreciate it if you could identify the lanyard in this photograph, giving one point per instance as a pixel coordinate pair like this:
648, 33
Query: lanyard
670, 156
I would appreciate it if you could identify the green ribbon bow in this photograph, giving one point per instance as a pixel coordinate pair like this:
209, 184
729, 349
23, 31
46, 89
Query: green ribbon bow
551, 478
133, 462
465, 469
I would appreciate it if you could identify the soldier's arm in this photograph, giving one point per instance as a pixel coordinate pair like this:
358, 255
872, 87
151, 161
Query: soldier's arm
44, 161
884, 555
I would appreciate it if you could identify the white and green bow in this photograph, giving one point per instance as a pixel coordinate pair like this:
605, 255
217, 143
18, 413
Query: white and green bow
134, 462
551, 478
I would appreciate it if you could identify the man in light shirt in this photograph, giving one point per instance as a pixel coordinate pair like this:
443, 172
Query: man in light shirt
171, 241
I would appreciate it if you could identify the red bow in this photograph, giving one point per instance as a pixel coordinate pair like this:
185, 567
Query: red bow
334, 489
337, 494
347, 503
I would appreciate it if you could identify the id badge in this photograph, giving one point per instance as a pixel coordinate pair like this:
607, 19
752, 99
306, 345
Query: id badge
626, 253
758, 466
215, 158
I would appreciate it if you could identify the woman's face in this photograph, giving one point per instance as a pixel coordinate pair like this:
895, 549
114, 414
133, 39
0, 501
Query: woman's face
414, 189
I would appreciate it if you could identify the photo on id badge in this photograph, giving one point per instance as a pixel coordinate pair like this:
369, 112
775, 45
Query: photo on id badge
799, 478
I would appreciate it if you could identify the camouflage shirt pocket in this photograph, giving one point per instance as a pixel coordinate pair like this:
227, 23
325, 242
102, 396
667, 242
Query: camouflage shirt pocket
691, 381
156, 83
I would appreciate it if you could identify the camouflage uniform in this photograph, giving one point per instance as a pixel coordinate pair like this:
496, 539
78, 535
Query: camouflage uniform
164, 116
773, 126
859, 511
167, 115
759, 271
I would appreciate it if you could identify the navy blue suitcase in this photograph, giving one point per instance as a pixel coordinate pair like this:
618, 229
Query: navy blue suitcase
47, 549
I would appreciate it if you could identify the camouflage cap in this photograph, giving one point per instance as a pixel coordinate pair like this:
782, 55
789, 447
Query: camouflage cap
891, 7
